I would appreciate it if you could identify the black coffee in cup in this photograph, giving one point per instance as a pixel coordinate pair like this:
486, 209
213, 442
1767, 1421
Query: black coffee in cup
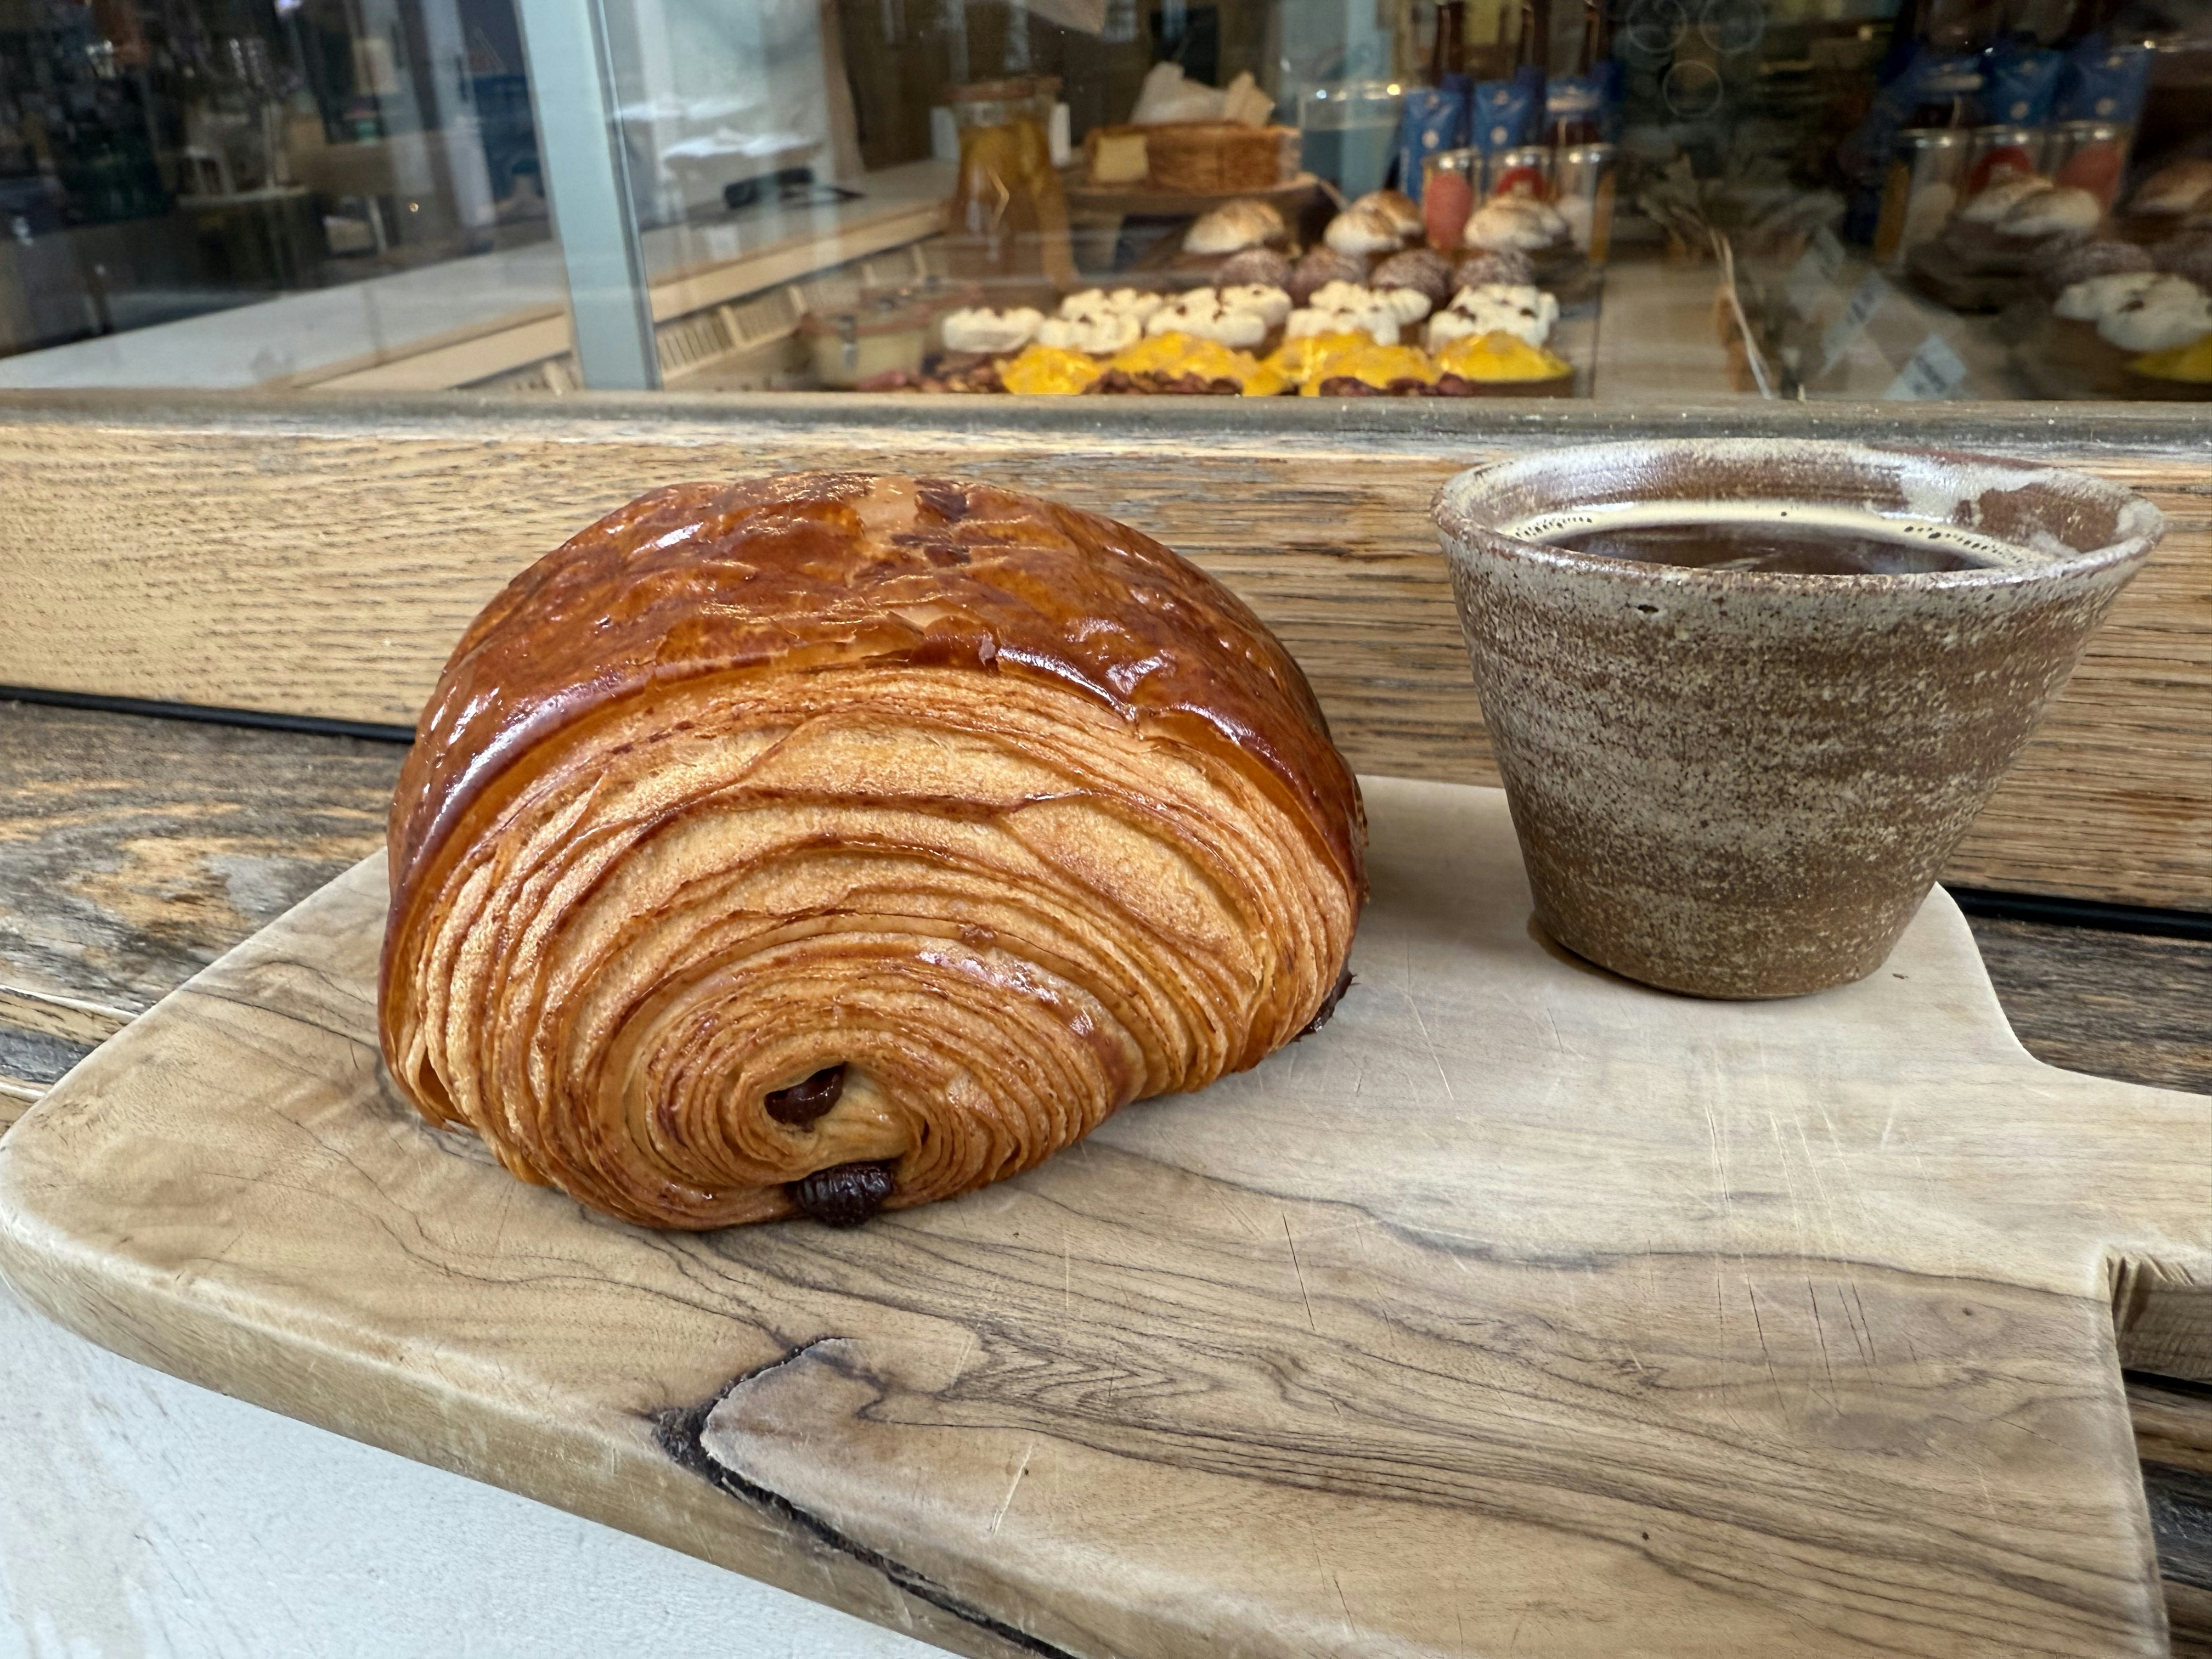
1789, 538
1746, 695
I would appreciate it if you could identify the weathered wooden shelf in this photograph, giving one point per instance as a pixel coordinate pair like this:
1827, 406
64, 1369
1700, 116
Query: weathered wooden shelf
1520, 1310
321, 557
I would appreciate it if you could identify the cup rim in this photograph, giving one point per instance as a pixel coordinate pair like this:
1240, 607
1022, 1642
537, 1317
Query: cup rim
2141, 523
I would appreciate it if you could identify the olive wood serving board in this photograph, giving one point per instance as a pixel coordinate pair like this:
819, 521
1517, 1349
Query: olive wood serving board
1521, 1311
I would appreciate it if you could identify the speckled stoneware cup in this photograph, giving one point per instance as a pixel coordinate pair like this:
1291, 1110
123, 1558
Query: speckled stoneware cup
1743, 784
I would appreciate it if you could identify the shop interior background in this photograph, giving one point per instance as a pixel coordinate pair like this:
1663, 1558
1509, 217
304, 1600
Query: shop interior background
352, 193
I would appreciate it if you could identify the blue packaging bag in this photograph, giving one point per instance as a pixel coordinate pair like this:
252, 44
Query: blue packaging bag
1574, 97
1434, 119
2019, 83
1503, 111
2106, 82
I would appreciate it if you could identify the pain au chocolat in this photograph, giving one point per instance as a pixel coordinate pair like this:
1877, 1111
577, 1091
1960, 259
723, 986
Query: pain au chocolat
832, 842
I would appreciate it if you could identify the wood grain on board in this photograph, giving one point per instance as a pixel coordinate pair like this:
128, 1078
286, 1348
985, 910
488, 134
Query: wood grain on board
1520, 1308
133, 851
321, 558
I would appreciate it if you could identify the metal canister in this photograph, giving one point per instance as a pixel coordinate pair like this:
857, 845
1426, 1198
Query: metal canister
1925, 170
2089, 156
1582, 186
1524, 171
1997, 153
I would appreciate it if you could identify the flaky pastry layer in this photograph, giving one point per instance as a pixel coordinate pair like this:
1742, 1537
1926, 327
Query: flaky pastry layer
954, 858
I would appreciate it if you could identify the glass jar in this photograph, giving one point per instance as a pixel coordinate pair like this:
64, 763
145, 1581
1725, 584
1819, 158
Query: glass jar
1452, 182
1007, 222
1348, 130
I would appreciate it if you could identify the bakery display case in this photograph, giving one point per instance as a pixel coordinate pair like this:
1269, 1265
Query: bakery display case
1622, 200
1616, 201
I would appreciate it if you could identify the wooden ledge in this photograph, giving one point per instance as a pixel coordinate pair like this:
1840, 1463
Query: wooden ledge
319, 556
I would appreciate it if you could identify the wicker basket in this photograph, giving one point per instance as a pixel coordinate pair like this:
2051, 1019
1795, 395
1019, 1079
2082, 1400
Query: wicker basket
1214, 158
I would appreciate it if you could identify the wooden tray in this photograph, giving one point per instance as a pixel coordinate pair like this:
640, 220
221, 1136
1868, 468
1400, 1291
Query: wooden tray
1522, 1310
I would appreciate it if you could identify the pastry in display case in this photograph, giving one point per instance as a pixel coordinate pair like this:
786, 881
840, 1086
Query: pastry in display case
1558, 196
2177, 196
1424, 270
1249, 302
1979, 257
1239, 227
2181, 373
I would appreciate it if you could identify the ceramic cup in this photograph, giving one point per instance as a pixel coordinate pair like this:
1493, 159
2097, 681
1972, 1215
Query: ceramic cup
1742, 783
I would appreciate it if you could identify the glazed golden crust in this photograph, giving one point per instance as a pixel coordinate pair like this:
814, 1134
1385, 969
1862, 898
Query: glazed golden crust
1001, 806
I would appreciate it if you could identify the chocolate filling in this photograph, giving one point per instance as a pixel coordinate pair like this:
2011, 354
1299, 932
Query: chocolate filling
845, 1194
1327, 1005
807, 1099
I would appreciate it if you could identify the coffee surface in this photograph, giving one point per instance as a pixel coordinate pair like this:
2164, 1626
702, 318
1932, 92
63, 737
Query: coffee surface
1796, 549
1789, 538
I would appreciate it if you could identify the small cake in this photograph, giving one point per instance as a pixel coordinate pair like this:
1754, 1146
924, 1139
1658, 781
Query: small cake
1518, 223
1321, 266
2187, 365
1987, 205
1135, 302
1363, 230
1422, 268
1406, 305
1261, 265
1395, 206
980, 329
1175, 362
2058, 270
1234, 227
1100, 335
1526, 313
2007, 229
1046, 370
1269, 302
1500, 360
2046, 213
1200, 315
2189, 254
2165, 312
1300, 359
1368, 370
1351, 308
2071, 351
1507, 265
1378, 324
2088, 301
2178, 188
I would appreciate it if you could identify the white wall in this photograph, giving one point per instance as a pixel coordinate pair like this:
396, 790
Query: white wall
143, 1518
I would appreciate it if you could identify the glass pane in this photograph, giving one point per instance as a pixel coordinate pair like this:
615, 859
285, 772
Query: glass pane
1628, 199
1665, 200
233, 192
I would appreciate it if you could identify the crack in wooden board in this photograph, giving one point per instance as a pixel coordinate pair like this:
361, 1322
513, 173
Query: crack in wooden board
1519, 1306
